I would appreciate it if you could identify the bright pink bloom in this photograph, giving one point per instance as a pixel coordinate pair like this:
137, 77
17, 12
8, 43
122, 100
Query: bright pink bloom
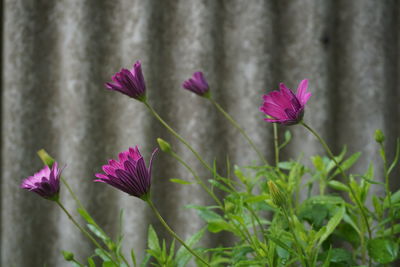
129, 82
197, 84
45, 183
129, 173
284, 106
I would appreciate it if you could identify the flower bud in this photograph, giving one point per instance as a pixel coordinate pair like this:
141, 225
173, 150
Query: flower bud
164, 145
277, 196
379, 137
68, 256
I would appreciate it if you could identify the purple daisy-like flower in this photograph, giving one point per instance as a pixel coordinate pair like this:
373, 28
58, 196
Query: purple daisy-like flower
46, 182
129, 82
197, 84
284, 106
128, 174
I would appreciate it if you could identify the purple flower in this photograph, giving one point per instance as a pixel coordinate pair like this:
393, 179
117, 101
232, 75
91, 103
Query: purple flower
46, 182
197, 84
129, 173
284, 106
129, 82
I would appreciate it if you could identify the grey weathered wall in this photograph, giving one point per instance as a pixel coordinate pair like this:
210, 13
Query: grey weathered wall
57, 55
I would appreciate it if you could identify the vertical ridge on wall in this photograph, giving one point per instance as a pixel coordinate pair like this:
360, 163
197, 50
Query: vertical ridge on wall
28, 125
56, 57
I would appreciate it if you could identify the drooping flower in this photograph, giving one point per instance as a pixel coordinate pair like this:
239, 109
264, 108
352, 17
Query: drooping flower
129, 173
197, 84
284, 106
46, 182
129, 82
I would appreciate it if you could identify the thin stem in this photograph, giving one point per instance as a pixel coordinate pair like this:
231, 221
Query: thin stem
155, 114
197, 178
86, 233
300, 251
387, 186
327, 149
241, 130
276, 144
253, 213
160, 218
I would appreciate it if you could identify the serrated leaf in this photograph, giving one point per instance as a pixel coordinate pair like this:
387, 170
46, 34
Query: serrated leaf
179, 181
382, 250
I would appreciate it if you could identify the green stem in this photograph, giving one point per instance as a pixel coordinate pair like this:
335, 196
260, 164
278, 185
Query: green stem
178, 136
387, 186
276, 144
160, 218
197, 178
86, 233
241, 130
253, 213
327, 149
302, 255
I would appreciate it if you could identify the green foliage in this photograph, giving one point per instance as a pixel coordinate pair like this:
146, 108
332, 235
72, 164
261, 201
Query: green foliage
298, 213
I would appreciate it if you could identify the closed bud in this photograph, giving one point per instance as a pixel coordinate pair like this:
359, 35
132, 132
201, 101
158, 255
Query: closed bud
164, 145
68, 256
379, 137
277, 196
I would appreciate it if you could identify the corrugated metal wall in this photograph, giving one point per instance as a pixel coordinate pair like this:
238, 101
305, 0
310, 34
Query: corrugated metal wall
57, 55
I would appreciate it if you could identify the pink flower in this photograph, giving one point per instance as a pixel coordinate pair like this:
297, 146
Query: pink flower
128, 174
45, 183
129, 82
197, 84
284, 106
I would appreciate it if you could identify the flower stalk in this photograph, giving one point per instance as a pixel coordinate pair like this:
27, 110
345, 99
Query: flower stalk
240, 129
164, 223
330, 154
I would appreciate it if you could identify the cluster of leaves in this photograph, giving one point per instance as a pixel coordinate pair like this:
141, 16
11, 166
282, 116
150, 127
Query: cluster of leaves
317, 220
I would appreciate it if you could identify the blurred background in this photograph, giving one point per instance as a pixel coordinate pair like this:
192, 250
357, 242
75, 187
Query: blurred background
56, 56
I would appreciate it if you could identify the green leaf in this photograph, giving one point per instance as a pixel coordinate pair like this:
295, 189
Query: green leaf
102, 254
218, 226
339, 255
382, 250
288, 137
91, 262
146, 260
85, 215
332, 224
328, 258
347, 163
183, 255
133, 257
98, 232
209, 215
338, 185
179, 181
108, 264
315, 214
219, 185
152, 239
45, 157
396, 158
